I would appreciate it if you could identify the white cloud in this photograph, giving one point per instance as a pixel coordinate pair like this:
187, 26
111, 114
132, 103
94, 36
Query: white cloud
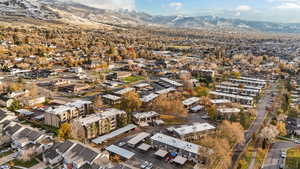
243, 8
289, 5
176, 5
109, 4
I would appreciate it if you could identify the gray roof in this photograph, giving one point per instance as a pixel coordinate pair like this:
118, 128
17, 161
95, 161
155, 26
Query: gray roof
115, 133
120, 151
13, 129
63, 147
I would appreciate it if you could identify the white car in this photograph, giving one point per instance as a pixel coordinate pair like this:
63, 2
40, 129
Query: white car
297, 141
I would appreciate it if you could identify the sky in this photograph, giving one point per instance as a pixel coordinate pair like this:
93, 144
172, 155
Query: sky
286, 11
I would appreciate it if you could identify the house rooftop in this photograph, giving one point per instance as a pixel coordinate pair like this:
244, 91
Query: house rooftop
177, 143
197, 127
190, 101
120, 151
145, 114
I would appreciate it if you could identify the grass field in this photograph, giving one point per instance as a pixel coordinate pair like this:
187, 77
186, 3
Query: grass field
293, 158
132, 79
26, 164
172, 120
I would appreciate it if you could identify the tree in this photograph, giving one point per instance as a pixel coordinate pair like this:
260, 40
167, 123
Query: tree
15, 105
201, 91
64, 131
34, 91
212, 112
281, 128
169, 105
218, 151
268, 134
233, 132
131, 102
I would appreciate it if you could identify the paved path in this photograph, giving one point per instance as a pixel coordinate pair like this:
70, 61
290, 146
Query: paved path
7, 158
261, 114
273, 160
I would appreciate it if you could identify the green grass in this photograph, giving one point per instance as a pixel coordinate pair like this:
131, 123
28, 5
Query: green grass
132, 79
293, 159
26, 164
6, 153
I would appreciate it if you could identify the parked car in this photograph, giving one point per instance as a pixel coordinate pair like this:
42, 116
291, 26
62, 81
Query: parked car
121, 144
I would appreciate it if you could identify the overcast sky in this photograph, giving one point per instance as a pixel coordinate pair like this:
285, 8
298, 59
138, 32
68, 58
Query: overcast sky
266, 10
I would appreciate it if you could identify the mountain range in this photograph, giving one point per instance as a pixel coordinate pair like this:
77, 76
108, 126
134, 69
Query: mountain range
70, 12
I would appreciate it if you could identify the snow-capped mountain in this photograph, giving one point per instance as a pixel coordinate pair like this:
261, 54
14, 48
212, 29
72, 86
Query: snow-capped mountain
26, 8
68, 11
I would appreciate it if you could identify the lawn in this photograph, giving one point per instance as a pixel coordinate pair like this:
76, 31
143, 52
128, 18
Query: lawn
172, 120
26, 164
6, 153
293, 158
132, 79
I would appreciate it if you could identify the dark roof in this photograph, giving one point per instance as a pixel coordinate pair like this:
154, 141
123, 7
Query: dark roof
83, 152
88, 166
13, 129
51, 153
63, 147
30, 134
88, 154
2, 115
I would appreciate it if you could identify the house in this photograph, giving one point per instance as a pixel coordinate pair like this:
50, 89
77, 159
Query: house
74, 88
172, 83
22, 93
203, 73
24, 137
237, 90
191, 101
54, 116
32, 101
166, 144
92, 64
101, 122
143, 119
249, 82
118, 75
148, 98
193, 132
6, 115
226, 113
245, 100
72, 154
111, 99
124, 91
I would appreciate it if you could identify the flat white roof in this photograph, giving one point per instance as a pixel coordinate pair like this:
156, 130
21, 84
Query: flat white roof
165, 91
25, 112
197, 108
124, 91
197, 127
174, 142
238, 89
219, 101
190, 101
252, 79
120, 151
145, 114
149, 97
172, 82
67, 107
138, 138
113, 134
229, 110
111, 97
231, 95
248, 81
237, 84
141, 85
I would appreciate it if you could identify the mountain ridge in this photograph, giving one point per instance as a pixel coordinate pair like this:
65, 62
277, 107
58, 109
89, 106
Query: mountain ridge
79, 13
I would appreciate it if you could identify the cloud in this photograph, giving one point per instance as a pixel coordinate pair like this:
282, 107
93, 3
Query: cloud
176, 5
289, 6
109, 4
242, 8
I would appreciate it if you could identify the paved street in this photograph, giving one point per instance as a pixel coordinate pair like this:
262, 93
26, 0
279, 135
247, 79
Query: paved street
261, 113
273, 159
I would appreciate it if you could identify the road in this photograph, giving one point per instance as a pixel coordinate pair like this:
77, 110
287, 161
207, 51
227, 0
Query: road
261, 114
273, 159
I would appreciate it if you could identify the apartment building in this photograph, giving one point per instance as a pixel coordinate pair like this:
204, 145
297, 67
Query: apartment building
54, 116
102, 122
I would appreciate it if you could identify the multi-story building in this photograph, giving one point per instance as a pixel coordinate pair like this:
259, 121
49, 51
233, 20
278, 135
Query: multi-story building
54, 116
102, 122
